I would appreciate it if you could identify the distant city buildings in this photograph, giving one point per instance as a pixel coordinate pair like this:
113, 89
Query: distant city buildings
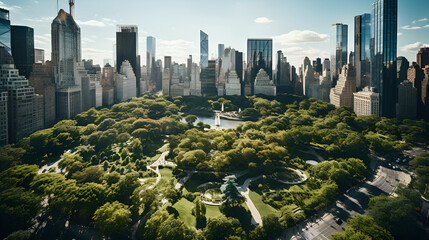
423, 57
406, 107
125, 84
263, 84
39, 55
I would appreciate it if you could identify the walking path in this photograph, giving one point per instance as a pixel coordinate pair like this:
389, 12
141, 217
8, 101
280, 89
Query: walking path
244, 190
155, 167
302, 179
53, 165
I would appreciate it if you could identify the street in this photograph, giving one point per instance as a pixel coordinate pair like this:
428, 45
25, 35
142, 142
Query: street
354, 201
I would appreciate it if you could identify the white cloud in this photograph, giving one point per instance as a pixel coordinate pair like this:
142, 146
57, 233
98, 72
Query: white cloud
91, 23
43, 19
296, 55
178, 49
87, 40
422, 20
408, 27
427, 26
262, 20
414, 47
109, 21
400, 34
298, 37
42, 39
10, 8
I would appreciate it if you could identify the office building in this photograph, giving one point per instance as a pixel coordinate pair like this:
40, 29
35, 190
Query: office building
195, 86
342, 93
220, 50
208, 80
166, 78
127, 50
5, 38
204, 50
402, 66
384, 74
150, 52
22, 102
339, 50
39, 55
66, 51
362, 45
167, 62
264, 85
259, 56
22, 42
108, 85
366, 102
283, 81
233, 84
125, 84
41, 79
416, 76
406, 108
423, 57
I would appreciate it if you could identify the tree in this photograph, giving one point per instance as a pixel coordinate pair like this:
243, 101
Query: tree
199, 211
190, 119
221, 228
112, 219
362, 227
231, 196
271, 226
17, 208
420, 165
89, 174
19, 235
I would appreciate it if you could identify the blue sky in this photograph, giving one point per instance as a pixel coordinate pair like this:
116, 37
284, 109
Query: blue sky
299, 28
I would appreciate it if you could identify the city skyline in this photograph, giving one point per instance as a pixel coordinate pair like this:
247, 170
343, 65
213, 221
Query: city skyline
295, 32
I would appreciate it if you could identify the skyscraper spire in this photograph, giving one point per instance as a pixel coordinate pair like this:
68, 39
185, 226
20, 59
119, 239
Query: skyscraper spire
71, 3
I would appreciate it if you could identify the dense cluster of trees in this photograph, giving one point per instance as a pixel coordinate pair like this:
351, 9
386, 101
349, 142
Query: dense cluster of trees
99, 186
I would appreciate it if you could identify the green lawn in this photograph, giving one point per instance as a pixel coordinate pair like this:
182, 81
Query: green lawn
212, 211
184, 207
263, 208
164, 148
166, 173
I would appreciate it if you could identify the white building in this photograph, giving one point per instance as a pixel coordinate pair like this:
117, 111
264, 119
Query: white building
264, 85
125, 85
366, 102
233, 85
195, 87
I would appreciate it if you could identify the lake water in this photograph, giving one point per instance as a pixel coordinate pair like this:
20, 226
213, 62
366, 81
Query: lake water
224, 123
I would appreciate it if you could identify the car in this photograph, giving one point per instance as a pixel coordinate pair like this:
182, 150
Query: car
338, 221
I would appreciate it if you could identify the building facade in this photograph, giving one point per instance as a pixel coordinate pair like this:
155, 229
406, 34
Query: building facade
264, 85
423, 57
125, 84
22, 42
208, 80
259, 56
204, 49
366, 102
339, 49
342, 93
362, 44
5, 38
127, 50
406, 108
233, 84
384, 74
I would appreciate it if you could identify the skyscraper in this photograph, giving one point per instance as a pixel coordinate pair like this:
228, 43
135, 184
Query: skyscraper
204, 49
220, 50
5, 40
150, 59
423, 57
407, 100
22, 41
362, 50
259, 56
66, 51
208, 79
39, 55
342, 93
339, 52
384, 74
167, 62
402, 66
127, 49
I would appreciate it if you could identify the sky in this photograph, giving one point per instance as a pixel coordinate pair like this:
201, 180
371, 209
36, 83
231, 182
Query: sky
298, 28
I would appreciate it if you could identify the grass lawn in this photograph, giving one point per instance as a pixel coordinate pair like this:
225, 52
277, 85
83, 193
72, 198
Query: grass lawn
263, 208
164, 148
212, 211
166, 173
184, 207
154, 158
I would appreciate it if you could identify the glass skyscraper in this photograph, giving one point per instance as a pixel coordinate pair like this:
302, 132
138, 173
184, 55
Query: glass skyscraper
204, 50
220, 50
5, 30
385, 30
339, 52
127, 49
150, 52
259, 55
23, 49
363, 50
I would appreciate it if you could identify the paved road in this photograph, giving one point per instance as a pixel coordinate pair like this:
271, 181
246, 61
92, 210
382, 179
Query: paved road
352, 203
